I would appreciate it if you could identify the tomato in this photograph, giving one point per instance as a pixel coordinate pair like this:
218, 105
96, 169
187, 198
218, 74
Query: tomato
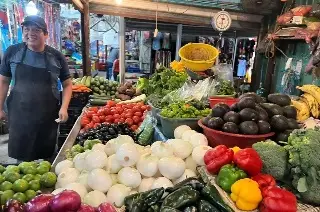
117, 121
102, 118
113, 111
138, 114
148, 107
136, 109
109, 118
128, 115
84, 122
95, 119
119, 110
100, 112
142, 118
122, 120
140, 104
89, 114
96, 125
111, 103
90, 125
129, 121
144, 108
129, 111
136, 119
134, 127
129, 106
116, 116
94, 109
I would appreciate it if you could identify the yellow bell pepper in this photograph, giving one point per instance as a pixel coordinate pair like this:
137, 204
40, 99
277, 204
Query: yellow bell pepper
246, 194
235, 149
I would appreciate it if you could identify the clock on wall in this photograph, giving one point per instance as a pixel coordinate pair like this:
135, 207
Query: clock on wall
221, 21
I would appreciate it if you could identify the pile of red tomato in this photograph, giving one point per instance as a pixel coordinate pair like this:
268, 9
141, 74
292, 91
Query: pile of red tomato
133, 114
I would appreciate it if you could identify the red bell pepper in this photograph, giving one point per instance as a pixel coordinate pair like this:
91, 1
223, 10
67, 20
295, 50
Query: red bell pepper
249, 161
264, 180
276, 199
217, 157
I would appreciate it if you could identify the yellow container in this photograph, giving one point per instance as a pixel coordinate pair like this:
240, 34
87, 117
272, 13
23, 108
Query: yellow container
198, 56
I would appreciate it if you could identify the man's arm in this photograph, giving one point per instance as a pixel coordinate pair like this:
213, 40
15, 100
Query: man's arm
5, 78
4, 87
66, 93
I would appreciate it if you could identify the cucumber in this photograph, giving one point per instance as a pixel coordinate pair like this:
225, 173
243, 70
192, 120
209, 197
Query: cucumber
98, 102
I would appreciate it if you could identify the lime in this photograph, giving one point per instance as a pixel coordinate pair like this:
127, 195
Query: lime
21, 197
42, 169
20, 185
11, 176
30, 194
33, 164
45, 163
2, 179
48, 180
13, 168
34, 185
2, 169
28, 177
5, 186
29, 170
37, 177
5, 196
24, 165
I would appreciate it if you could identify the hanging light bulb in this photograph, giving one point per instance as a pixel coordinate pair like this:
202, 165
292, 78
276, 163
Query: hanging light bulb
31, 8
119, 2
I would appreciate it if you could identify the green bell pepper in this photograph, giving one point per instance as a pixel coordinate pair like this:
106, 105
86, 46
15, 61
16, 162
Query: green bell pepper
182, 197
228, 175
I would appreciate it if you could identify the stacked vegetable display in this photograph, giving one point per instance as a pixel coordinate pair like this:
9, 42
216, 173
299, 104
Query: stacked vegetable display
239, 174
185, 110
251, 116
101, 174
127, 92
24, 181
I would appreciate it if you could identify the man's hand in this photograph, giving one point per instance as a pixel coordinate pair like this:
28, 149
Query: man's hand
3, 115
63, 115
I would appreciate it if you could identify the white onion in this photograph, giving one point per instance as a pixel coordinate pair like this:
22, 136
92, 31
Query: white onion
122, 139
98, 146
161, 149
68, 176
129, 177
198, 139
187, 134
95, 198
191, 164
133, 192
171, 167
147, 165
182, 149
79, 188
187, 174
79, 161
63, 165
57, 191
83, 179
116, 194
180, 130
113, 166
127, 155
99, 179
95, 159
146, 184
161, 182
198, 153
143, 149
109, 148
114, 178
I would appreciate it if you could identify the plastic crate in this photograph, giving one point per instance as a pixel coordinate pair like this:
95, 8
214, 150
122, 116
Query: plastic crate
79, 99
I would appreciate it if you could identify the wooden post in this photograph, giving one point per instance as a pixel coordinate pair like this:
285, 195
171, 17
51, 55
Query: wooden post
122, 49
85, 36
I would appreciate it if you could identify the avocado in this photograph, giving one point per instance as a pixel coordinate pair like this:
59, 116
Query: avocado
293, 124
248, 114
234, 107
264, 127
249, 128
279, 123
279, 99
218, 112
232, 116
254, 96
272, 109
246, 102
230, 127
225, 106
262, 113
215, 123
290, 112
205, 120
283, 136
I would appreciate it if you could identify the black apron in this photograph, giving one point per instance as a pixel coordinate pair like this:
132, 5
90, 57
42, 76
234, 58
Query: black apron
32, 110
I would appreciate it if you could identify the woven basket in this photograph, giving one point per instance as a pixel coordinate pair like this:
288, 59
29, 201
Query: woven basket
211, 178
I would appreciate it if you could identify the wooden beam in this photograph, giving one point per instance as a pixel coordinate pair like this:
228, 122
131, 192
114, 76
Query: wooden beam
78, 4
175, 9
85, 34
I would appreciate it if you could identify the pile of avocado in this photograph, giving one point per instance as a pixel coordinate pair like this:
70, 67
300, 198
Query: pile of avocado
253, 115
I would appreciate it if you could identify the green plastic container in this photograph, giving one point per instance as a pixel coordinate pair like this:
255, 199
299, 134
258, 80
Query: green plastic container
170, 124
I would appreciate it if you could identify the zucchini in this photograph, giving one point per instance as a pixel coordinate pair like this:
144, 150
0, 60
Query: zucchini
88, 81
98, 102
83, 81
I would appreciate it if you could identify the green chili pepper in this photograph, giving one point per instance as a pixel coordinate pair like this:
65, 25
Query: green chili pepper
228, 175
192, 181
182, 197
190, 209
205, 206
168, 209
211, 194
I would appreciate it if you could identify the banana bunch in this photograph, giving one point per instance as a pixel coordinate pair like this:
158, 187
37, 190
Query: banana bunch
312, 104
312, 90
303, 111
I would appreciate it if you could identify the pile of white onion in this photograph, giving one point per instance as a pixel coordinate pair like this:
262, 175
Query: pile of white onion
109, 173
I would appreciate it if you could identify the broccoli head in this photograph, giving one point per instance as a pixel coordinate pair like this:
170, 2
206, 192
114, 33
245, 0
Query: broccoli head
274, 157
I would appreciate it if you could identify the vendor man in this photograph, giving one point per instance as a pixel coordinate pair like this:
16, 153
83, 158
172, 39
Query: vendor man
33, 103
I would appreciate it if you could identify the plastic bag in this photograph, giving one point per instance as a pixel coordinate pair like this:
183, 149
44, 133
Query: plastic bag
146, 130
301, 10
224, 72
285, 18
